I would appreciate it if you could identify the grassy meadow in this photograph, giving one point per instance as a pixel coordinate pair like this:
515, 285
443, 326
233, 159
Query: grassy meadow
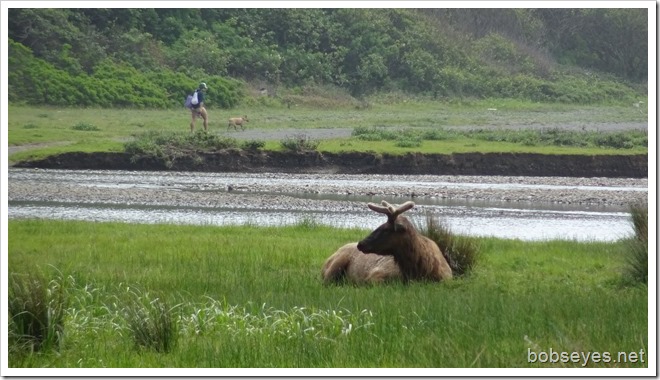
90, 129
191, 296
216, 297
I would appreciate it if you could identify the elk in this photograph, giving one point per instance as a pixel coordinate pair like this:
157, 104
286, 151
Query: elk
418, 257
236, 121
351, 265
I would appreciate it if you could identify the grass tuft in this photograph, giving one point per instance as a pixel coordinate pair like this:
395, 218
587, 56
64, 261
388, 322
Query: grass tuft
36, 312
637, 252
151, 321
462, 252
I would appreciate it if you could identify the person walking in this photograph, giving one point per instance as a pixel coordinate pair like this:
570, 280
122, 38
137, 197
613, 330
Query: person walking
198, 110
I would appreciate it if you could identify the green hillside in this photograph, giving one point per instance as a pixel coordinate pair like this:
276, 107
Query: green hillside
150, 58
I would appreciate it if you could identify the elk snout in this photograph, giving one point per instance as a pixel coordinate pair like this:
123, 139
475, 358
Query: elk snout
366, 245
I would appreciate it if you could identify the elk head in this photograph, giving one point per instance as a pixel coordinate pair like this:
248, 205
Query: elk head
389, 237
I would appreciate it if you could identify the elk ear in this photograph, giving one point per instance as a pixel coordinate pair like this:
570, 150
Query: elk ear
399, 227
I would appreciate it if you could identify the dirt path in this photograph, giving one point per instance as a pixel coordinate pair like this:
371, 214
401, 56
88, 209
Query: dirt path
280, 134
19, 148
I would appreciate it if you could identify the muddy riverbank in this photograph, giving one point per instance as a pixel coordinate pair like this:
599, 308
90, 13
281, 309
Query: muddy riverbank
470, 164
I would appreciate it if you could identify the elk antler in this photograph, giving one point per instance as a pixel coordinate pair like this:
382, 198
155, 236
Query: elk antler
389, 210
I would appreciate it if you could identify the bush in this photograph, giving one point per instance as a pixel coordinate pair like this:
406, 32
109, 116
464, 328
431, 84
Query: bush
299, 143
253, 144
462, 253
36, 313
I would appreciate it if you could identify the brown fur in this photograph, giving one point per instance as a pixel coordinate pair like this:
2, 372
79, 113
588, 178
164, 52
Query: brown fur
350, 265
236, 121
418, 257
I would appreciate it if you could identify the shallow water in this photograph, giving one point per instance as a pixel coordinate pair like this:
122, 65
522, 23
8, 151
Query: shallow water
519, 220
499, 222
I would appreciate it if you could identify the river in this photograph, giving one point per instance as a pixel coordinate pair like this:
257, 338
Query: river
526, 208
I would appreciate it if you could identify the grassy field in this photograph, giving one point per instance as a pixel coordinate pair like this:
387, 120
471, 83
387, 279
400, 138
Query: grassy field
235, 301
88, 130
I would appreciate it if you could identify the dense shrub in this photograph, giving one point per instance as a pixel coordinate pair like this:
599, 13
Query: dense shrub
110, 84
152, 57
502, 53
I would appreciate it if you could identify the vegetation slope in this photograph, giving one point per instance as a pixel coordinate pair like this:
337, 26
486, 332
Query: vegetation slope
150, 58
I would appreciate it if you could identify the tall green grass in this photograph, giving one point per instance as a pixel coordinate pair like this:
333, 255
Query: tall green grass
37, 308
248, 296
637, 249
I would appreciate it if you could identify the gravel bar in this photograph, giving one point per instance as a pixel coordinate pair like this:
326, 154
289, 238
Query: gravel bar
278, 191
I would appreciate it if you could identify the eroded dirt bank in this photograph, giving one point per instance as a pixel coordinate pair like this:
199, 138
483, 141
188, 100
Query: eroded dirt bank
489, 164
